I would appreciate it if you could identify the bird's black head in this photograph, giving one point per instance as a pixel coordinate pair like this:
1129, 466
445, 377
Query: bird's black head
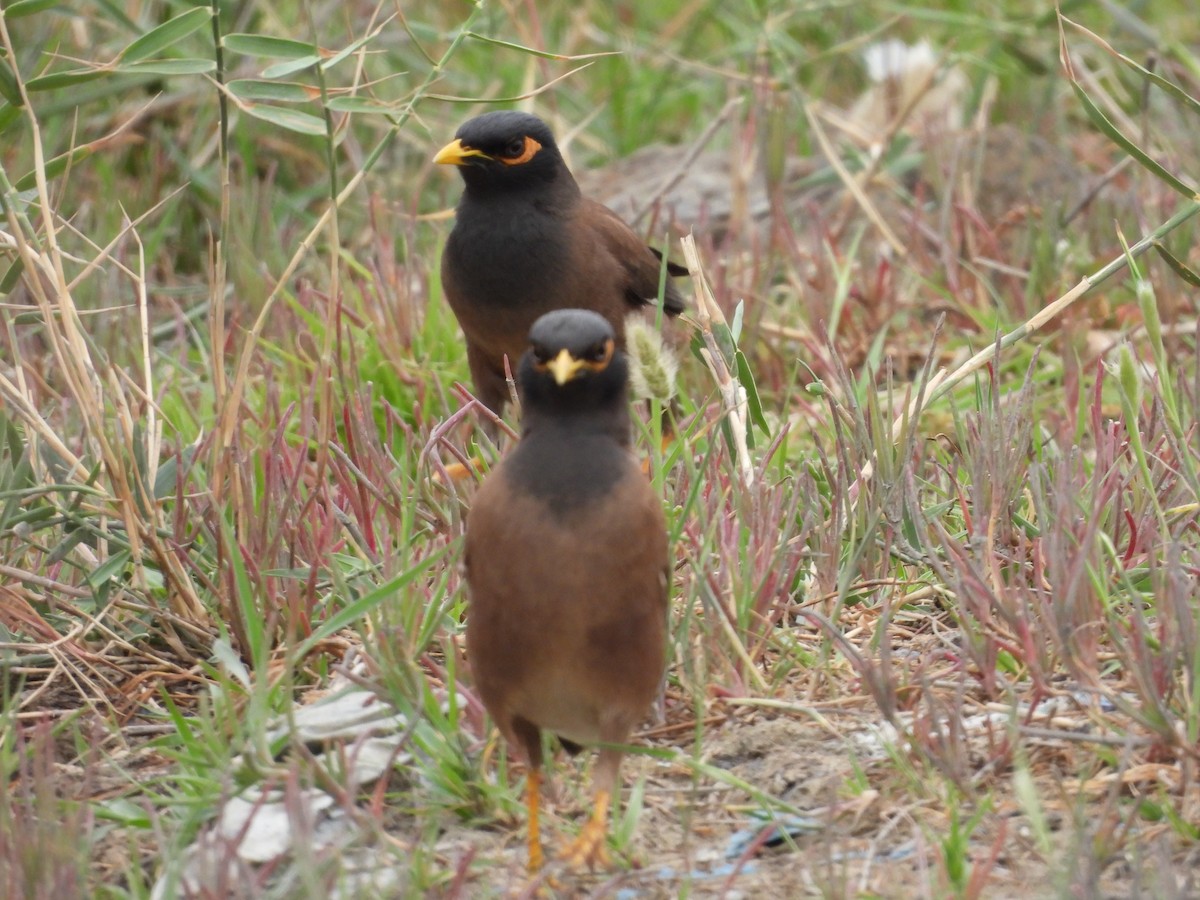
504, 150
574, 369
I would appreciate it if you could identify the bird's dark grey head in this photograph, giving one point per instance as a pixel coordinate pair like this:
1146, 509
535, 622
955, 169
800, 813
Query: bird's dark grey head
504, 149
497, 131
575, 425
585, 335
573, 366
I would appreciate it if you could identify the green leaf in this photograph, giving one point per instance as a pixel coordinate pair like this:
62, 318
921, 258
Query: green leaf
28, 8
65, 546
292, 120
56, 166
1153, 77
10, 277
279, 70
166, 479
358, 105
1189, 830
227, 658
908, 527
350, 48
170, 32
8, 87
125, 811
736, 328
19, 477
8, 115
62, 79
725, 341
254, 91
753, 401
274, 47
168, 67
1102, 122
359, 608
111, 568
1177, 265
521, 48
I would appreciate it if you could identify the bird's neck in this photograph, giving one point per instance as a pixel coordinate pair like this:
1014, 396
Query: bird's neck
556, 196
566, 423
565, 463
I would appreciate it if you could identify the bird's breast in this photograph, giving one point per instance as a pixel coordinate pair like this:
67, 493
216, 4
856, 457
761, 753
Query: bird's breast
502, 255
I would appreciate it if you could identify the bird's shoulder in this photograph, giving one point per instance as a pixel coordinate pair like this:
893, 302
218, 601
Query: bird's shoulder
640, 265
608, 228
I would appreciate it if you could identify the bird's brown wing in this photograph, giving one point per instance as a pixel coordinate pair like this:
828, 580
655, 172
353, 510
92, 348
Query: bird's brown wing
641, 265
673, 268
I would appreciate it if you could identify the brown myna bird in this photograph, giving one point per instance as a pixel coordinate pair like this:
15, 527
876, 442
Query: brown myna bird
567, 566
526, 242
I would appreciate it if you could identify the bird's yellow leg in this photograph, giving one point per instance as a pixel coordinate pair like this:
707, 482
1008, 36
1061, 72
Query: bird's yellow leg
589, 848
533, 802
666, 439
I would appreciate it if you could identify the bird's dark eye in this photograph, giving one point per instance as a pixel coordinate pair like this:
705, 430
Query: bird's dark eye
598, 353
515, 148
540, 354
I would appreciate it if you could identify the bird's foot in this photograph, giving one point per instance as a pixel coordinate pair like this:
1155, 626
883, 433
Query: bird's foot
456, 472
544, 884
589, 848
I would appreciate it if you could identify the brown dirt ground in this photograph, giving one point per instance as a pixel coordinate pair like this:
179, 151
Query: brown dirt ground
856, 842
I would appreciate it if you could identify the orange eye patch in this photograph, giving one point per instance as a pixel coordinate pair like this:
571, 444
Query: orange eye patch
531, 147
599, 359
565, 366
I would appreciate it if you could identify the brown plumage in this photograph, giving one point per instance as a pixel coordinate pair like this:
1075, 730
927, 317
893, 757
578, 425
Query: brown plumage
567, 565
526, 241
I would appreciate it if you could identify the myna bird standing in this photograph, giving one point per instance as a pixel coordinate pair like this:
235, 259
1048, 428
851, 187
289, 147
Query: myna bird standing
526, 241
567, 567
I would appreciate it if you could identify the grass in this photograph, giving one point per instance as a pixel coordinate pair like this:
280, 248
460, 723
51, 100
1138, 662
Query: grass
934, 620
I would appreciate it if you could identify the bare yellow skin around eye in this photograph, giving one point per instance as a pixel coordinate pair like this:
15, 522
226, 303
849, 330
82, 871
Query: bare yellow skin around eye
531, 147
565, 367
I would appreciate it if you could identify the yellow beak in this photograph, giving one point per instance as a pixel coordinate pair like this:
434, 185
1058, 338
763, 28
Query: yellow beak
455, 154
564, 367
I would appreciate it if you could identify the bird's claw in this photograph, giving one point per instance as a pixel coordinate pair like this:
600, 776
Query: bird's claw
589, 848
457, 472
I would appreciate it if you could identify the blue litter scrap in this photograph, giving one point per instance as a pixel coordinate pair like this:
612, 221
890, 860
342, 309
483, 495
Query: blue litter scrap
785, 828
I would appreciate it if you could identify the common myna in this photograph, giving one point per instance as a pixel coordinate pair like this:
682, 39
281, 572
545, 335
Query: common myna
526, 242
566, 565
